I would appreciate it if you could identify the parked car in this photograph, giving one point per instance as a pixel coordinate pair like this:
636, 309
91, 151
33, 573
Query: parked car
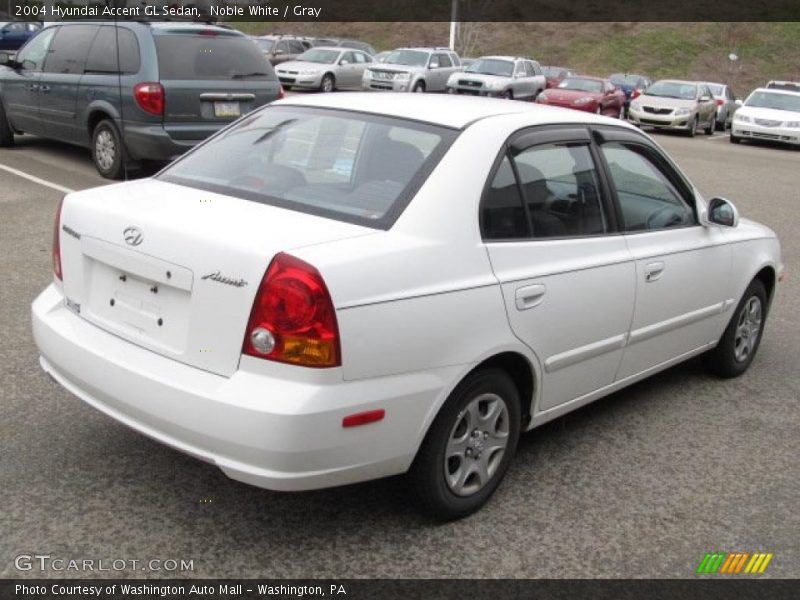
726, 103
673, 104
590, 94
14, 34
554, 75
345, 43
280, 49
500, 76
789, 86
325, 69
770, 114
408, 283
413, 70
174, 85
633, 85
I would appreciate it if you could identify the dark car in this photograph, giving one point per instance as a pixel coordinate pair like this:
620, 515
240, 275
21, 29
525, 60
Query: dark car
14, 34
282, 48
633, 85
162, 88
345, 43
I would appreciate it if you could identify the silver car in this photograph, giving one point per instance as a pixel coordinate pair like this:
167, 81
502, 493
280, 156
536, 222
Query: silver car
672, 104
501, 76
413, 70
325, 69
726, 103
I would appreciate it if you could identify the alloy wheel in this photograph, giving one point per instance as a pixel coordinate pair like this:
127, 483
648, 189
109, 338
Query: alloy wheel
105, 149
748, 328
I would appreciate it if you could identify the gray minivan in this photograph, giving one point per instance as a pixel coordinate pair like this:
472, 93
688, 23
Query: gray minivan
162, 87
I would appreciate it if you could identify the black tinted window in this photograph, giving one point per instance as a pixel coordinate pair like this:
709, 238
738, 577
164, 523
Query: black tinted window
184, 57
502, 215
103, 54
69, 49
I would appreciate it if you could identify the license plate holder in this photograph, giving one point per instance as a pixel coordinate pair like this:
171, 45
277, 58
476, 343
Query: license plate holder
227, 109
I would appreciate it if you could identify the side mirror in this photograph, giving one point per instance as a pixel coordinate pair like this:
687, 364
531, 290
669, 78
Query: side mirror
705, 98
344, 61
278, 52
738, 102
5, 59
722, 212
433, 65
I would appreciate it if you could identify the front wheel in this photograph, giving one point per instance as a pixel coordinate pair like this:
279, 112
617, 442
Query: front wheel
328, 83
735, 139
739, 343
107, 151
711, 125
693, 127
6, 133
468, 447
419, 87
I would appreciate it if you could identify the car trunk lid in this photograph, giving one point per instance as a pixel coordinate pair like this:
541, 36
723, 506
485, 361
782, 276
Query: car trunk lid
174, 269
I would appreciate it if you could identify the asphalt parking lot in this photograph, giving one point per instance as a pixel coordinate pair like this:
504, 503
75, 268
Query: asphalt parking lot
640, 484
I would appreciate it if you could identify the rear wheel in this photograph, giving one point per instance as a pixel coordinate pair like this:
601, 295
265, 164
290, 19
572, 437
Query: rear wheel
711, 125
739, 343
469, 446
6, 133
328, 83
107, 151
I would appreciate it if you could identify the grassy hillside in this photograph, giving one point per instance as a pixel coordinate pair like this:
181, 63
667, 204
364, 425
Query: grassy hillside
690, 50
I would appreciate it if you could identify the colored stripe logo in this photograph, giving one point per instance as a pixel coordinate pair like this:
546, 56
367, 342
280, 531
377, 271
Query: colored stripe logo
733, 563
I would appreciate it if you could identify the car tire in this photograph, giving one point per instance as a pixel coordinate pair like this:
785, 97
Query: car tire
419, 87
454, 486
107, 150
735, 140
712, 125
738, 345
6, 133
693, 129
508, 95
328, 83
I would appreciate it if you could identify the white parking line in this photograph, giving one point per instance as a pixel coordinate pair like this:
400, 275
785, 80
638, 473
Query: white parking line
34, 179
724, 136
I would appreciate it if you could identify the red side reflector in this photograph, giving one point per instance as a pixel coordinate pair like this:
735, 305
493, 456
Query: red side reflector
363, 418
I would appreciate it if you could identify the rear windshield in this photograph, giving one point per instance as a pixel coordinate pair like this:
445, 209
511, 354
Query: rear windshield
199, 57
348, 166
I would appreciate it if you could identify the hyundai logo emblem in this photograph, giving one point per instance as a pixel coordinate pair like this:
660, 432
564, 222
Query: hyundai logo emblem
133, 236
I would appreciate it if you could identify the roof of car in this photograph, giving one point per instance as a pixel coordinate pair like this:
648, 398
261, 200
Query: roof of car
452, 111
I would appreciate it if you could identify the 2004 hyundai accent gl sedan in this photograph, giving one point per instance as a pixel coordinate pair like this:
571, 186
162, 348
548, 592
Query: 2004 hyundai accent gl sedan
335, 289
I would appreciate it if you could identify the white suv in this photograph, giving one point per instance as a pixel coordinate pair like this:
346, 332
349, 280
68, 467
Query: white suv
413, 70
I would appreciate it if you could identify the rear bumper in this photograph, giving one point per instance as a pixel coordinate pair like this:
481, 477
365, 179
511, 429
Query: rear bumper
153, 142
265, 430
751, 131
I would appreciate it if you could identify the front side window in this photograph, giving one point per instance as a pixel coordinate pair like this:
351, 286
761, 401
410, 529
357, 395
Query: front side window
547, 191
32, 55
444, 60
647, 199
348, 166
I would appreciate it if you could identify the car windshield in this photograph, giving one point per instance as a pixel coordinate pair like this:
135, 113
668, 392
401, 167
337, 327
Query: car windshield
581, 85
716, 88
323, 57
411, 58
353, 167
673, 89
491, 66
775, 100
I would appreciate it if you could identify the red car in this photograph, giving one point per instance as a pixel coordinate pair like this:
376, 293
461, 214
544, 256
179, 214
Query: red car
554, 75
590, 94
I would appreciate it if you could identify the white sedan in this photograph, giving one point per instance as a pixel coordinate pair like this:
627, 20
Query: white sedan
340, 288
768, 114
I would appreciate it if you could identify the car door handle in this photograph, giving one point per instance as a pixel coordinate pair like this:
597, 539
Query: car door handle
653, 271
44, 88
530, 296
32, 87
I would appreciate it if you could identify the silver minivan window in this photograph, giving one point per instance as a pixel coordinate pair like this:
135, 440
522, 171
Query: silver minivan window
345, 165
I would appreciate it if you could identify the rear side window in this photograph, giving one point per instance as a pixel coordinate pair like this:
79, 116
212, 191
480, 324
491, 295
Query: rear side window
69, 49
103, 53
204, 57
348, 166
502, 215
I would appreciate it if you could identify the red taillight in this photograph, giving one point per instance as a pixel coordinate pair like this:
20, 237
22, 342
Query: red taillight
150, 97
293, 319
364, 418
57, 243
635, 94
720, 102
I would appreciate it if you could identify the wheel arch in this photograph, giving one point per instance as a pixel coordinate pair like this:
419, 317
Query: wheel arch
768, 277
